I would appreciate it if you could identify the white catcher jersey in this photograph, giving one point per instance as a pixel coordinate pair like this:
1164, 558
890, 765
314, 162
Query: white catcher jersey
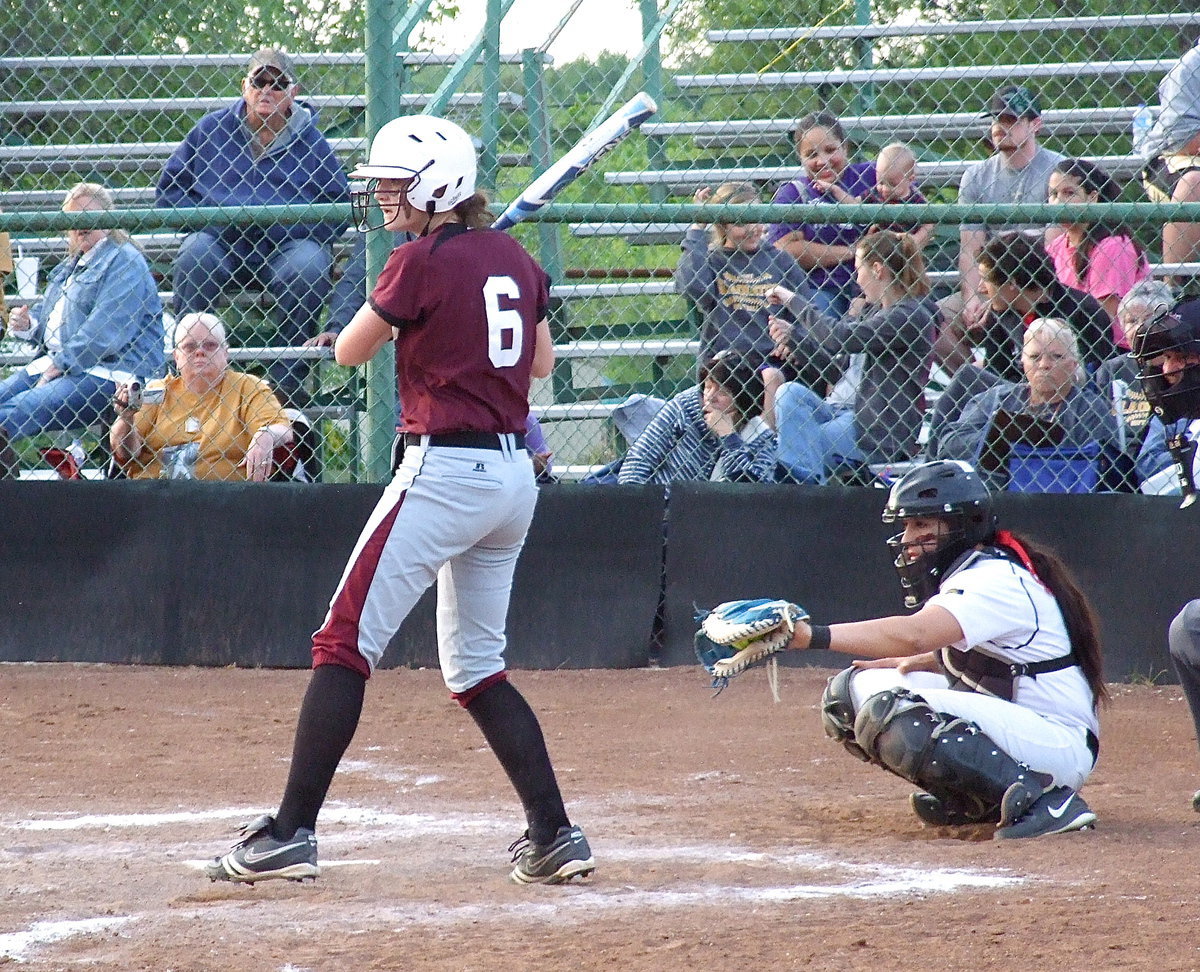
1005, 612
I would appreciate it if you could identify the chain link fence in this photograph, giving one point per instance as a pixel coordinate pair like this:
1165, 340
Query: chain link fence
729, 260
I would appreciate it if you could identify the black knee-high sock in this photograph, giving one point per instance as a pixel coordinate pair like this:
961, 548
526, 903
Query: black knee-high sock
328, 718
513, 732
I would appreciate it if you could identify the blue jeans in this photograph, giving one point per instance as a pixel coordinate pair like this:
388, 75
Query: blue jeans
813, 435
296, 274
66, 402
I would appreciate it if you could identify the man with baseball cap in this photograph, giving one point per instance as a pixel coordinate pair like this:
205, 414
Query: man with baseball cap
264, 150
1017, 172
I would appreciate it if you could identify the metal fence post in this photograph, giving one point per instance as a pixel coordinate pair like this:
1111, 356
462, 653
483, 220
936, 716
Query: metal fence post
383, 104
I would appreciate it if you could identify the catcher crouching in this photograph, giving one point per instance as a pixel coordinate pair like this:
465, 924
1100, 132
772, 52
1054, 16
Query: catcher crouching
986, 697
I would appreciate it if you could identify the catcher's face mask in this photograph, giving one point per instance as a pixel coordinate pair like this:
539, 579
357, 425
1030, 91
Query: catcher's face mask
923, 551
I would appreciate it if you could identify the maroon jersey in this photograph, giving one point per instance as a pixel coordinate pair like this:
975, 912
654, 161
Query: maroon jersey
466, 304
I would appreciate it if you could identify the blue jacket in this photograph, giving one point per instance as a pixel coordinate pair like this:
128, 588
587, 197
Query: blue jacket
214, 166
113, 317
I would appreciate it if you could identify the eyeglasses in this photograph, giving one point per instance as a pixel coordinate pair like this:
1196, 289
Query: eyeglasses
191, 347
275, 82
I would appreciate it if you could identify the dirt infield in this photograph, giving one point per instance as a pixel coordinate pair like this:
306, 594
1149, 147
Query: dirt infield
729, 834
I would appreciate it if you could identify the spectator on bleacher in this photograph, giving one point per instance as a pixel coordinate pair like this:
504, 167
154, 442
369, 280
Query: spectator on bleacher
711, 431
206, 422
1018, 171
894, 334
539, 450
349, 291
1100, 258
1054, 405
896, 184
1019, 281
264, 150
1020, 285
1172, 154
100, 322
6, 270
1117, 377
824, 250
728, 273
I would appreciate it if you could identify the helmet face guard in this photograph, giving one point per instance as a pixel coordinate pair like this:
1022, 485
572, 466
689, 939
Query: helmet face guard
945, 490
921, 575
1177, 395
364, 209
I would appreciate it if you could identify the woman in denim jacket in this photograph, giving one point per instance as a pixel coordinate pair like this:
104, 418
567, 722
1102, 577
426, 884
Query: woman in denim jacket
100, 323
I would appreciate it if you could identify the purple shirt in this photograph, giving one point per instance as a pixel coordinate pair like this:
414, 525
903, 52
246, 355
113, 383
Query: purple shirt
858, 179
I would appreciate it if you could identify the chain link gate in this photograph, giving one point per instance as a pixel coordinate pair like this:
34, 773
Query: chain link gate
644, 291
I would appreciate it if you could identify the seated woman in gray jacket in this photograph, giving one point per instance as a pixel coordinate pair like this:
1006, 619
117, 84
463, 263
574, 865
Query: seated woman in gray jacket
890, 344
100, 323
1053, 406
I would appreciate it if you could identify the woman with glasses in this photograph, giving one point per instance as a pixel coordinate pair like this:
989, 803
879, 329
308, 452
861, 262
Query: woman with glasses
100, 323
1053, 406
207, 422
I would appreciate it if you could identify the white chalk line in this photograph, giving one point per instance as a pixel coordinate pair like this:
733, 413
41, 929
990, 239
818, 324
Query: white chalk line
579, 901
397, 823
16, 945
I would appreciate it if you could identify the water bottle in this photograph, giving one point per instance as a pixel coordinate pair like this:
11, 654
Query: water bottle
1143, 121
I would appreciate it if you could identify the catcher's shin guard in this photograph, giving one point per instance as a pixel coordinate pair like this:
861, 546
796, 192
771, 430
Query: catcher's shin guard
837, 713
945, 755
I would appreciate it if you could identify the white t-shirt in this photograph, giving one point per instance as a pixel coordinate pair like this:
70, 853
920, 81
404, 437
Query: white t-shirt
1006, 613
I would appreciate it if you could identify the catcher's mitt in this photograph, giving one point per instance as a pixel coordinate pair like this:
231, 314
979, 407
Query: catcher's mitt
738, 634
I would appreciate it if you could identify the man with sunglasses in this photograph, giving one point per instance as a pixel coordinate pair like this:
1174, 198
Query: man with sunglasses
264, 150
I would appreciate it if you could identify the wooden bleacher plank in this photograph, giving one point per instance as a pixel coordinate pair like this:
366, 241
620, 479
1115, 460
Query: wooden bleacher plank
1056, 122
953, 72
80, 106
932, 173
67, 62
948, 28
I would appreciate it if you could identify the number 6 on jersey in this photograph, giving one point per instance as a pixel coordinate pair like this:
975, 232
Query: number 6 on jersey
505, 334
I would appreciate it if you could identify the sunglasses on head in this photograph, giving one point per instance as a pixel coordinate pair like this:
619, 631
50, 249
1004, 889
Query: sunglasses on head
275, 82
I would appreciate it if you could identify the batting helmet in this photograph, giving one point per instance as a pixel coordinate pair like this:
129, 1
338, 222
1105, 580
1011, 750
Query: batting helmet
1167, 350
948, 490
435, 155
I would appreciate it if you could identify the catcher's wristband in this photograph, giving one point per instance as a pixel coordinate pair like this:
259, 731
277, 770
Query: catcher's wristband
820, 637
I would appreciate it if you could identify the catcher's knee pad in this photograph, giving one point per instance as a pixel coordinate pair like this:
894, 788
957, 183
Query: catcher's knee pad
837, 712
895, 728
938, 752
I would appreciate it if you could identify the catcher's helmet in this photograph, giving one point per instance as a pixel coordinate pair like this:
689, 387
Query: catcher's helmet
435, 155
950, 491
1176, 394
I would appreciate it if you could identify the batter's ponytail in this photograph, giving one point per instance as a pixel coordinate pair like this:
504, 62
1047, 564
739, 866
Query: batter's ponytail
476, 212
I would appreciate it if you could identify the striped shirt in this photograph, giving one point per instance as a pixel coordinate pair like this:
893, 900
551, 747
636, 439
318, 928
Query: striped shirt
678, 446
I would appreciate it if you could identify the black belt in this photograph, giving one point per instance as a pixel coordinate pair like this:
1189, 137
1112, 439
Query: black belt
469, 440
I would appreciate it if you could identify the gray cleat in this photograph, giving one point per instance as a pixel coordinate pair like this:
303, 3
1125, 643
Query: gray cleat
259, 856
567, 856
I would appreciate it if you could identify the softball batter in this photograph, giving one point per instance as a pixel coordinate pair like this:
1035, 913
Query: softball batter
466, 308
